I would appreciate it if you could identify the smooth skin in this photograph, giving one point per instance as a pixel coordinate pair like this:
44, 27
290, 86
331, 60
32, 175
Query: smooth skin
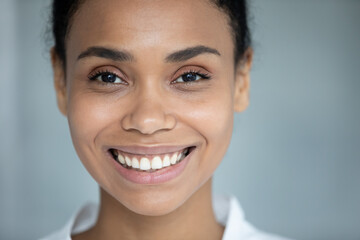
148, 106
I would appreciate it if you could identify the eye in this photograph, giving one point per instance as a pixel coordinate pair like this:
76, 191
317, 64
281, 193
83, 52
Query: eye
107, 77
190, 77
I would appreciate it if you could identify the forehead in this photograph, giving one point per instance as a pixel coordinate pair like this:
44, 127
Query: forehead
138, 25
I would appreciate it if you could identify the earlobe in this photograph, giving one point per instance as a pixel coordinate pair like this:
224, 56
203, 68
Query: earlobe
242, 82
59, 81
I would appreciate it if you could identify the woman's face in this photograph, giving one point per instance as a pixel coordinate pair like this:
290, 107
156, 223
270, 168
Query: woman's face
147, 80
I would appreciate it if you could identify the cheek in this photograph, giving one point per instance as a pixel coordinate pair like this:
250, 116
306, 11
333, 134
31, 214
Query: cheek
215, 115
213, 119
87, 116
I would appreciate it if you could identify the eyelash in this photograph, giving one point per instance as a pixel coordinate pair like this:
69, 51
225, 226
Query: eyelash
204, 76
94, 76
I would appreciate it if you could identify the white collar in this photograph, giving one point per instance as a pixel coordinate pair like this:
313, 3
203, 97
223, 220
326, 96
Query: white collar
227, 212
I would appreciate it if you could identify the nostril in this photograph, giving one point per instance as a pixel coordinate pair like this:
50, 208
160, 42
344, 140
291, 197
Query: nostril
146, 123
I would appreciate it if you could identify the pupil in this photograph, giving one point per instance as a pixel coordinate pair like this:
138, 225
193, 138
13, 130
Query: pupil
108, 78
189, 77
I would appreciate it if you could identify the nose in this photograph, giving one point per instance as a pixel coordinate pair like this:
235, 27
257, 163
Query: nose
148, 116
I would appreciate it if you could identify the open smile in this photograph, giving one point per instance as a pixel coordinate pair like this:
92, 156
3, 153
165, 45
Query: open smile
149, 162
150, 165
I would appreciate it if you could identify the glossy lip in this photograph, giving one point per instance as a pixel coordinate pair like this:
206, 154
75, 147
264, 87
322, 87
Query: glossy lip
156, 177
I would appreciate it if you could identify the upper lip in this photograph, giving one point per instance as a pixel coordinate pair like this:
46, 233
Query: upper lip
150, 150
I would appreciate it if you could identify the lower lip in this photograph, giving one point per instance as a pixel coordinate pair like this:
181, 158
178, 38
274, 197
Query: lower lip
160, 176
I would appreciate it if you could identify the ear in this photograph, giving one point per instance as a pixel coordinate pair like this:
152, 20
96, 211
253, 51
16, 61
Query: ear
242, 81
59, 81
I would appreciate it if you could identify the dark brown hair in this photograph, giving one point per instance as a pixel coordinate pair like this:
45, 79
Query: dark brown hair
64, 10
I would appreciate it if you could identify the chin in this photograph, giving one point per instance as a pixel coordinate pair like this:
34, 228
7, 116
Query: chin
151, 204
153, 210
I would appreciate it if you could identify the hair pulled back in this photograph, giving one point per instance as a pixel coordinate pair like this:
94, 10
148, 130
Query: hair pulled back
236, 10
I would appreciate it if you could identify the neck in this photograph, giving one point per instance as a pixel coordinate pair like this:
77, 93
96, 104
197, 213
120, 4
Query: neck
193, 220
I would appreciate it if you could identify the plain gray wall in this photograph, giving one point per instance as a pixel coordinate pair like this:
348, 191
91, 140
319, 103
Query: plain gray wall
295, 156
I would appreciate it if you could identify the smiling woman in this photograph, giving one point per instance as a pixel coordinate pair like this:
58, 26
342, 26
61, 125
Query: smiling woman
150, 89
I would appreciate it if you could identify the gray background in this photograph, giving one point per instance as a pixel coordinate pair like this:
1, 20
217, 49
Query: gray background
295, 156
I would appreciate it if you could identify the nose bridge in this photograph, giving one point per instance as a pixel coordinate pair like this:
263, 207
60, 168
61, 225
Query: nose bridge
148, 91
148, 113
148, 107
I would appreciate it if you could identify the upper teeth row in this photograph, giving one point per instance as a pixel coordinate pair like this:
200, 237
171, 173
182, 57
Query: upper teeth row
145, 163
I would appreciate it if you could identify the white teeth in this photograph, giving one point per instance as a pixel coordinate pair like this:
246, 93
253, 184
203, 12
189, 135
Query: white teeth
173, 158
156, 163
135, 163
121, 159
128, 161
144, 164
166, 161
179, 157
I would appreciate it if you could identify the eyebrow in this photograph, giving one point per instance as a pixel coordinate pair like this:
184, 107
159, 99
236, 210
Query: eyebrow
109, 53
122, 56
186, 54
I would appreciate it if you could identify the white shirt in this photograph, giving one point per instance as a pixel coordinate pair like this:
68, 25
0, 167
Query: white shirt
227, 212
